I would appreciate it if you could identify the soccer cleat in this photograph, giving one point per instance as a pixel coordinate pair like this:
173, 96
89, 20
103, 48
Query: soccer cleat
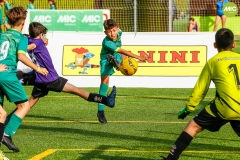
101, 117
2, 156
7, 141
111, 97
114, 62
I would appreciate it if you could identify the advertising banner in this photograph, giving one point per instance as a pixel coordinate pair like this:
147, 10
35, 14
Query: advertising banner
70, 20
83, 60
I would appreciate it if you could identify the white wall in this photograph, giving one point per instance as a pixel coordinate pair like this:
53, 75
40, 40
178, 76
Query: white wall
58, 39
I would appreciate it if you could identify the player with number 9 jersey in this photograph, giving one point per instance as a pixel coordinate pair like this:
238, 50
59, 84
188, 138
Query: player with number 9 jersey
12, 42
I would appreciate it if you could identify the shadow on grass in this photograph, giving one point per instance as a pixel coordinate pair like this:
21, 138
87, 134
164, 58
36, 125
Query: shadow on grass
45, 117
101, 149
111, 136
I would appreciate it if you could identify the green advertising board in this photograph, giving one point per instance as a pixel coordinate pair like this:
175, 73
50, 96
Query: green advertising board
69, 20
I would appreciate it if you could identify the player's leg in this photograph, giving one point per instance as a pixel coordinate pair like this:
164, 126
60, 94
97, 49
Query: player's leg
91, 97
200, 122
15, 93
184, 140
223, 18
39, 90
105, 71
14, 123
236, 126
103, 91
217, 20
3, 115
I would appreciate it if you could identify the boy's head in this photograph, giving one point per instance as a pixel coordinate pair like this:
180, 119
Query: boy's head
191, 21
224, 40
1, 2
111, 28
16, 16
36, 29
31, 1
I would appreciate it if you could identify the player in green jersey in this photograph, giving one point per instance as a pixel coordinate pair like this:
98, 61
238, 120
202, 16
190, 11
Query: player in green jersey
222, 69
13, 46
1, 16
7, 6
31, 5
110, 56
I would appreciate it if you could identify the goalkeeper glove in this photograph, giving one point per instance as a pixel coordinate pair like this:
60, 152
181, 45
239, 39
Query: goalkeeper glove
183, 113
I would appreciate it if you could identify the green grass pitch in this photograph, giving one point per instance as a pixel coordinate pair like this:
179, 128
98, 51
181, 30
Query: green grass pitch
142, 126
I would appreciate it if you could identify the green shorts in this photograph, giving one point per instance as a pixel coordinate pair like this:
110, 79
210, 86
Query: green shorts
13, 90
107, 68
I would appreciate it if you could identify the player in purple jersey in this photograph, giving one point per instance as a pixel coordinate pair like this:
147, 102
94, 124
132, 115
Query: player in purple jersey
52, 82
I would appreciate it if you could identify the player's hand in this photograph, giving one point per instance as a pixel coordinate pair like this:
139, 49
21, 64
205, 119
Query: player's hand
31, 46
183, 113
143, 58
43, 71
2, 67
45, 40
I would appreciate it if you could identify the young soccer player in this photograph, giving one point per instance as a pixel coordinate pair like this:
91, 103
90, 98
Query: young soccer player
222, 69
31, 5
52, 4
220, 15
110, 56
52, 82
7, 6
1, 16
13, 46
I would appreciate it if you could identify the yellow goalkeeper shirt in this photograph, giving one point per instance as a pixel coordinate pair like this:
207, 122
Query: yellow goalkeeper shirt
222, 69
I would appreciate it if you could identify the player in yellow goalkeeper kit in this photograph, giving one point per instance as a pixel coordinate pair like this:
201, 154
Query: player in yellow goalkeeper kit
222, 69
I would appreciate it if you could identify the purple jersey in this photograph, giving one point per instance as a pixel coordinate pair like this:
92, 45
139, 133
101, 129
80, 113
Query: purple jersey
41, 57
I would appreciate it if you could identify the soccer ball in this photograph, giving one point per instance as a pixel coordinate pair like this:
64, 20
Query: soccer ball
128, 66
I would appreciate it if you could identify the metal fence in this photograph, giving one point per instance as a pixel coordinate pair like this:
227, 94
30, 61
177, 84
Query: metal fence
150, 15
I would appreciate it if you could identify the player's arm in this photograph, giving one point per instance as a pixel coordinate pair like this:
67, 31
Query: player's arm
200, 89
130, 54
31, 46
198, 93
22, 48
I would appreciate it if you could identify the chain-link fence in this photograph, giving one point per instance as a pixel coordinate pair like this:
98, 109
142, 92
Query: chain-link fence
151, 15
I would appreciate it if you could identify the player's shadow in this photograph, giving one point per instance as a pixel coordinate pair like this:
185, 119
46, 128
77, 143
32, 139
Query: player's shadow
45, 117
98, 153
129, 138
200, 156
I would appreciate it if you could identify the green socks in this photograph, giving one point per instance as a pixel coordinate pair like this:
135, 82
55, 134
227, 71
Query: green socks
12, 125
102, 91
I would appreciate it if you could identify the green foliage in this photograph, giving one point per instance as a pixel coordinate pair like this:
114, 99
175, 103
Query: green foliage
142, 126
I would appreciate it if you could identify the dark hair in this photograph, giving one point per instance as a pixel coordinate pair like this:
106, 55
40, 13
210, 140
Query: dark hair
54, 3
191, 19
15, 15
31, 1
35, 29
109, 24
1, 0
224, 39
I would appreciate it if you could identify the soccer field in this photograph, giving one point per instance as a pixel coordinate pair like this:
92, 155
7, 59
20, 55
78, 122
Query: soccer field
142, 126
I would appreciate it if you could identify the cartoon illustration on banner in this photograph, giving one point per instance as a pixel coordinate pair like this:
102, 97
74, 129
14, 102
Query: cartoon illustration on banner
164, 60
